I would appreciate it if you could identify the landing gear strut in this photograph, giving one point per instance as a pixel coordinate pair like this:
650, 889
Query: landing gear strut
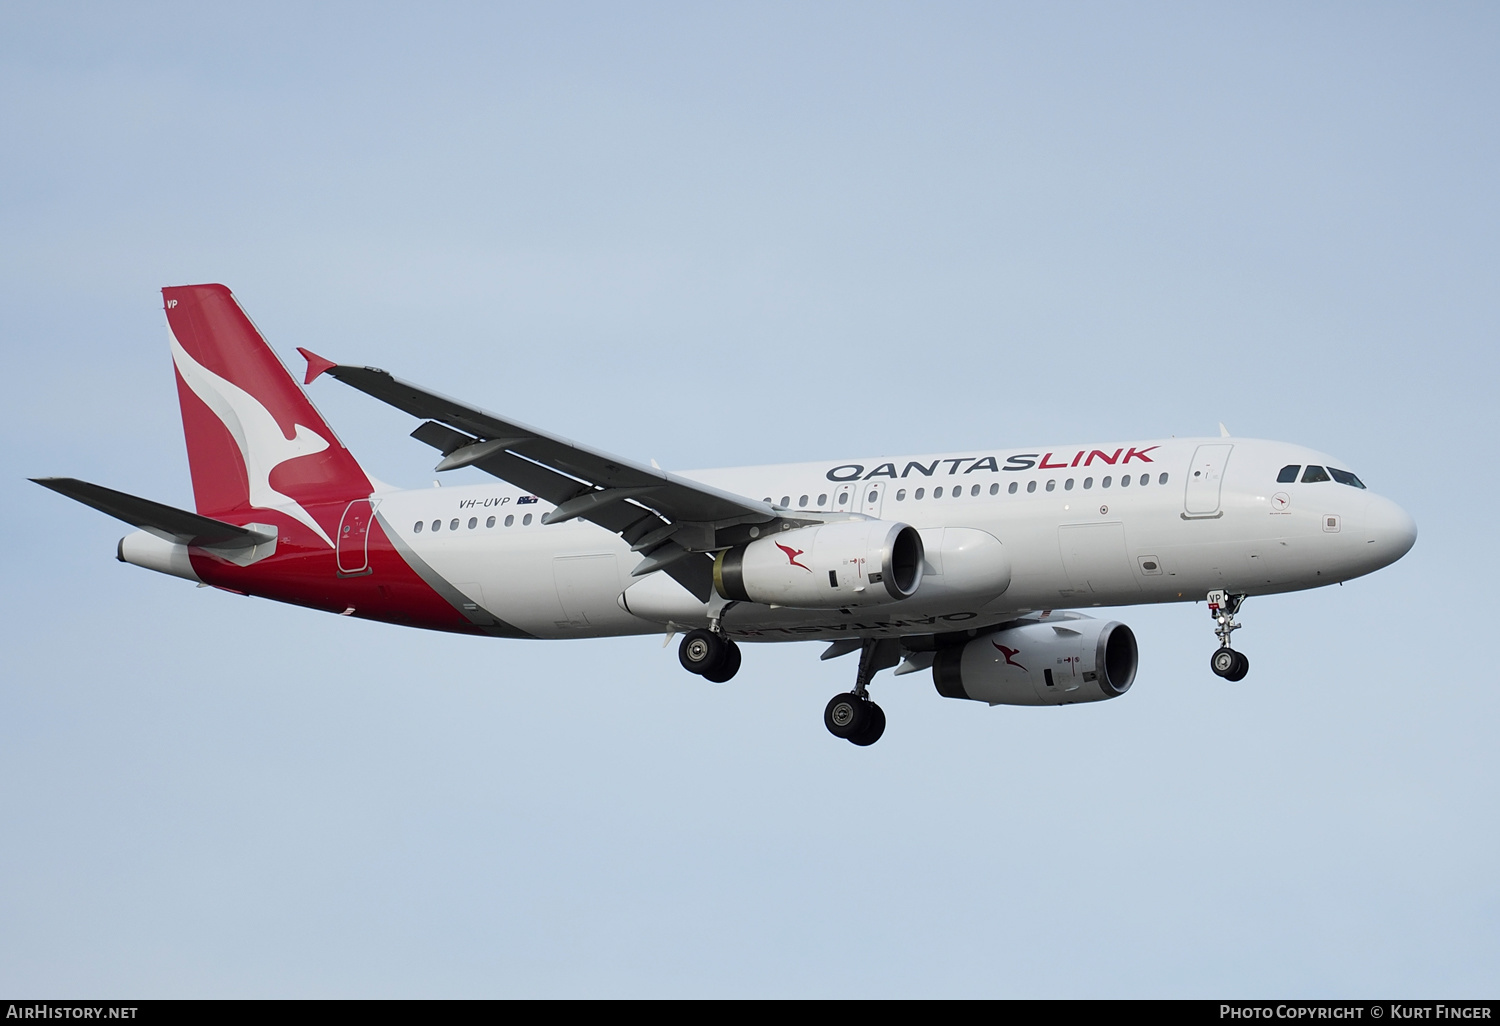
710, 655
852, 716
1226, 662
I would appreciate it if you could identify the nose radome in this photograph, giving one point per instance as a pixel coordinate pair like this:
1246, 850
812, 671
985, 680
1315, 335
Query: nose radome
1390, 529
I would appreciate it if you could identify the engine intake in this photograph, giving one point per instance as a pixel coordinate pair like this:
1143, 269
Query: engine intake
827, 566
1054, 662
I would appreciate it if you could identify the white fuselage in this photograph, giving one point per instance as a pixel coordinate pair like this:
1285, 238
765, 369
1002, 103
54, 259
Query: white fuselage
1196, 515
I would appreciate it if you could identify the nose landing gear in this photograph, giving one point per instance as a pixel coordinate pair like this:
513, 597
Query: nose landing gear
1226, 662
852, 716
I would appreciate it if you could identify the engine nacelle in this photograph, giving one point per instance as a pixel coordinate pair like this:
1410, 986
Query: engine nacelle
827, 566
1055, 662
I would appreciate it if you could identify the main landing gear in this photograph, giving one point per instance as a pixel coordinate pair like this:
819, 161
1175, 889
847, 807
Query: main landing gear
710, 655
1226, 662
852, 716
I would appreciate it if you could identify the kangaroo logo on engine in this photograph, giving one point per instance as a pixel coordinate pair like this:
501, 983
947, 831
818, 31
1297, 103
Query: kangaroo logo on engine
1007, 653
792, 554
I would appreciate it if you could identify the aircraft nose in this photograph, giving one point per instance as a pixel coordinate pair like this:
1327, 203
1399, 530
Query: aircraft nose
1390, 530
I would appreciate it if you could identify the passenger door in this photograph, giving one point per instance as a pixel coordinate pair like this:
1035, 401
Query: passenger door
1205, 480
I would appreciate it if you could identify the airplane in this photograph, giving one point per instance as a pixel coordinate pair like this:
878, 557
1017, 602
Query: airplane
959, 564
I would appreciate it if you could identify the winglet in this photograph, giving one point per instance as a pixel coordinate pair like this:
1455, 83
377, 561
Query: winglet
315, 365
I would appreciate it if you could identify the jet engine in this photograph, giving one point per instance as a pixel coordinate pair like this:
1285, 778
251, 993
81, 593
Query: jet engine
1043, 662
827, 566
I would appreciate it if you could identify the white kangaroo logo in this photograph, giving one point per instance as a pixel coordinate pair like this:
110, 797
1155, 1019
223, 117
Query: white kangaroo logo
261, 441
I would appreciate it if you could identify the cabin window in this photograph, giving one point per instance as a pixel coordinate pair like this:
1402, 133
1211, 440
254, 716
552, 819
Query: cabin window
802, 501
1145, 480
974, 490
473, 523
437, 525
1012, 488
843, 498
526, 520
509, 521
901, 495
417, 527
1346, 478
1105, 482
786, 500
937, 493
1314, 474
921, 492
1030, 486
823, 499
1051, 486
490, 522
1124, 480
1162, 479
1068, 485
995, 488
453, 526
1088, 483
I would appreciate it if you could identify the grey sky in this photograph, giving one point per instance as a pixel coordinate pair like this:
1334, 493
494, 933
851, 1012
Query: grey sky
713, 235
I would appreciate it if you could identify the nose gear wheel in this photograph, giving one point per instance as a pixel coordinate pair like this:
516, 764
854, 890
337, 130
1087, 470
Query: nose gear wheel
1226, 662
1229, 664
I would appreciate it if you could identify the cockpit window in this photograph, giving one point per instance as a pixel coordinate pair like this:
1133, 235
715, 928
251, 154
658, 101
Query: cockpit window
1288, 473
1344, 477
1314, 473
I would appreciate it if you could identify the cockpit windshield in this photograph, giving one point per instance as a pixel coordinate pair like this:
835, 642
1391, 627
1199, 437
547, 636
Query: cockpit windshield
1315, 473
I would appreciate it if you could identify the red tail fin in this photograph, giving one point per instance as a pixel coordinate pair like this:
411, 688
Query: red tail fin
254, 439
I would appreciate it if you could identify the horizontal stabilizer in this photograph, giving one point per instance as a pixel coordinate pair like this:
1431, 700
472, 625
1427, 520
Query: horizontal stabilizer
164, 521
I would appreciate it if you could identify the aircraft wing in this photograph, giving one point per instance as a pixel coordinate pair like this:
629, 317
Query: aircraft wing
671, 520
